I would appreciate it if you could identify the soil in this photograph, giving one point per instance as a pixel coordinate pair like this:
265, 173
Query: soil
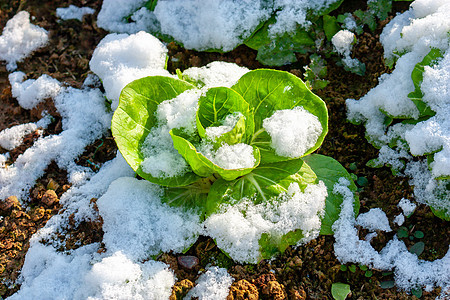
305, 272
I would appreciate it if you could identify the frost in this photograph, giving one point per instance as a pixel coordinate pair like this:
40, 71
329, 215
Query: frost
31, 92
212, 285
122, 58
19, 39
73, 12
237, 228
293, 131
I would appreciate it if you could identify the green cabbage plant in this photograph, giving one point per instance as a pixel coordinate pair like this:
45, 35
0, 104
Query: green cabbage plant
206, 185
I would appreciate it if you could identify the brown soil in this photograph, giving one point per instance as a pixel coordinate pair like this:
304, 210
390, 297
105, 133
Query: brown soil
306, 272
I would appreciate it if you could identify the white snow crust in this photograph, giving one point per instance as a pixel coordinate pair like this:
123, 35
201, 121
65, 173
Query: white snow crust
425, 25
214, 284
122, 58
19, 39
73, 12
238, 228
293, 131
409, 271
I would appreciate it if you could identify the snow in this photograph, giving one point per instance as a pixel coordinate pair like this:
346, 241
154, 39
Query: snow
374, 219
161, 159
238, 228
84, 120
409, 34
48, 274
31, 92
118, 277
73, 12
207, 25
215, 74
399, 219
121, 58
407, 207
19, 39
237, 156
293, 131
133, 215
12, 137
343, 41
214, 284
113, 14
212, 24
228, 124
409, 271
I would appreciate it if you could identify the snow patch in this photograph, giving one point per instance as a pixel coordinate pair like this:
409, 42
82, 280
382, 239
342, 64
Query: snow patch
374, 219
122, 58
31, 92
238, 228
214, 284
138, 224
73, 12
293, 131
409, 271
19, 39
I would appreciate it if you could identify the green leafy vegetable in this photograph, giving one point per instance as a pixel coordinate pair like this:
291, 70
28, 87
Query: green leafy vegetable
229, 118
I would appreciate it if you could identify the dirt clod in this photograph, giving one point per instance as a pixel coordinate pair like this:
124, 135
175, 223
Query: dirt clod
243, 290
180, 289
9, 202
49, 198
274, 290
